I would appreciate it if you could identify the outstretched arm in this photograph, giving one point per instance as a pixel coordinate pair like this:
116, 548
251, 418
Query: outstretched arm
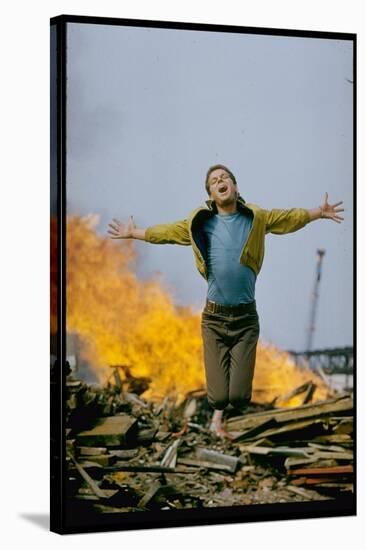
167, 233
281, 222
327, 210
119, 230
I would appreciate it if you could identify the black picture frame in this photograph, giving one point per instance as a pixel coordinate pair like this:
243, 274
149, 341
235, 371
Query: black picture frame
76, 519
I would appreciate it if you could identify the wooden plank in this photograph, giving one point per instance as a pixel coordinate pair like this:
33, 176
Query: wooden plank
85, 451
110, 431
322, 447
344, 427
257, 430
90, 481
336, 456
331, 406
334, 470
296, 391
312, 481
341, 439
88, 464
155, 468
109, 493
293, 461
146, 436
103, 460
125, 454
291, 427
281, 451
310, 495
205, 464
309, 393
149, 495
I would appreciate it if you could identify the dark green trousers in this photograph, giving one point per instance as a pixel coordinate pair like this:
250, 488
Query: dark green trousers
229, 345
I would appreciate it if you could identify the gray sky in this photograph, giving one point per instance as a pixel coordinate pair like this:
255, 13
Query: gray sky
149, 110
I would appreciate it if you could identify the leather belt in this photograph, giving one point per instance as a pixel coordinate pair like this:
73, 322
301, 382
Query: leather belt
213, 307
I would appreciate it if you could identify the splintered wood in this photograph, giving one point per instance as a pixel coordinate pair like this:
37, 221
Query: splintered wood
125, 454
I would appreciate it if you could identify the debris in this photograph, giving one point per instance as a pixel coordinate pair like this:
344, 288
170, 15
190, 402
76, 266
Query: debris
205, 464
190, 408
329, 407
342, 439
150, 468
345, 426
110, 431
135, 385
220, 459
324, 477
282, 451
170, 458
309, 388
162, 436
125, 454
309, 495
92, 484
102, 459
198, 427
87, 451
298, 429
146, 436
336, 471
309, 393
133, 455
149, 495
261, 427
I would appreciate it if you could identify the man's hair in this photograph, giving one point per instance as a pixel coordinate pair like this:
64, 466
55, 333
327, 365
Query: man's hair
217, 167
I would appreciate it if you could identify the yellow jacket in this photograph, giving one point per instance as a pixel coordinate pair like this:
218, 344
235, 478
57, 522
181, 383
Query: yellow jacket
187, 232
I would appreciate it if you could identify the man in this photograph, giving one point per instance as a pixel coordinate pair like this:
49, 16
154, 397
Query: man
227, 238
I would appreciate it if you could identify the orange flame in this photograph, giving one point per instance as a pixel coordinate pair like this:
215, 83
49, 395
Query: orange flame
122, 320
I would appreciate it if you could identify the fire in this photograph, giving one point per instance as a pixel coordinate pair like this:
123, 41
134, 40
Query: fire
122, 320
276, 375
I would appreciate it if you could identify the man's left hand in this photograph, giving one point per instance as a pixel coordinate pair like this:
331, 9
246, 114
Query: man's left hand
331, 211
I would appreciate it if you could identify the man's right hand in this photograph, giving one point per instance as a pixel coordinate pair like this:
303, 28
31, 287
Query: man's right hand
119, 230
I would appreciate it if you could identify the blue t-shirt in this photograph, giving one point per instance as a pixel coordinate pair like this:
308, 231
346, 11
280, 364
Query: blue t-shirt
229, 281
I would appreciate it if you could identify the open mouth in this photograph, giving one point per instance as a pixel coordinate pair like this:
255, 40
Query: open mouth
223, 188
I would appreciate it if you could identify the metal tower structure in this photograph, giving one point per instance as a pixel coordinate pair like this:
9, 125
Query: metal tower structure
314, 300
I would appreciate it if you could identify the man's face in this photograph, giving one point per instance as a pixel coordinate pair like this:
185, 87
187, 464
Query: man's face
222, 188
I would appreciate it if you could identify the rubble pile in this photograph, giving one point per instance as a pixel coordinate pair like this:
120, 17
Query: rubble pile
125, 454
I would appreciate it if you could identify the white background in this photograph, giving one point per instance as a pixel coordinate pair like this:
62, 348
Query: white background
24, 284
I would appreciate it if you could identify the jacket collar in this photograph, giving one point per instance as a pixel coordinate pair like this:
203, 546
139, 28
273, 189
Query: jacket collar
212, 206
